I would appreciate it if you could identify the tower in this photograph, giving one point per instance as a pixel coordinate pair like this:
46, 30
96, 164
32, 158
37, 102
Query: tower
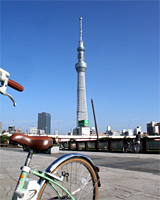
81, 66
44, 122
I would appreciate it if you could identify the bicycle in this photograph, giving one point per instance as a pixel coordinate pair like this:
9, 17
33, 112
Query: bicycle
72, 176
129, 147
133, 146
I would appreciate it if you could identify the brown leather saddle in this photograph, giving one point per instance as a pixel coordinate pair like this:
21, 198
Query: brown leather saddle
35, 143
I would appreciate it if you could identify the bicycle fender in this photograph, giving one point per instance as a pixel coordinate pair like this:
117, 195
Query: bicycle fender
63, 158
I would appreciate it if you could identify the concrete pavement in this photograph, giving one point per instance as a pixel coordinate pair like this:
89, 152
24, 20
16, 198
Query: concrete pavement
116, 183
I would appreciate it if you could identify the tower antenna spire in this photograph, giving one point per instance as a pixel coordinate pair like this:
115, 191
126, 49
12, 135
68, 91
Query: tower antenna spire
80, 19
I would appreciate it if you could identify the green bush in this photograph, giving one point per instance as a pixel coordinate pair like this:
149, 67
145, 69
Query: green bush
4, 139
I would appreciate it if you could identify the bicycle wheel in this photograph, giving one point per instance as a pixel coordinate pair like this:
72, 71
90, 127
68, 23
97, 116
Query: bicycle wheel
81, 181
136, 148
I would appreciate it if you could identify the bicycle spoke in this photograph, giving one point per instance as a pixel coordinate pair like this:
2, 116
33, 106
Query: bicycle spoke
78, 181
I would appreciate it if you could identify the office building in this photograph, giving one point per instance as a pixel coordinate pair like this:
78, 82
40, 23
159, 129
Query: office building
11, 129
137, 129
112, 132
44, 122
128, 132
33, 130
153, 128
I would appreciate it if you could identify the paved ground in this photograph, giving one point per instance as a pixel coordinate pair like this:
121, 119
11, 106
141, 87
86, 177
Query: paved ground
123, 176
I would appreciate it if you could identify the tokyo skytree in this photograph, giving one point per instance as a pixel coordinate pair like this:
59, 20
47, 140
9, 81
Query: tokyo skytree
81, 67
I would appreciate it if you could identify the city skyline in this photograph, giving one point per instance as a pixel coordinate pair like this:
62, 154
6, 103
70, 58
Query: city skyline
38, 49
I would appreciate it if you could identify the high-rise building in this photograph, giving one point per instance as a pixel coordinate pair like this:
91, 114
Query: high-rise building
153, 128
44, 122
81, 66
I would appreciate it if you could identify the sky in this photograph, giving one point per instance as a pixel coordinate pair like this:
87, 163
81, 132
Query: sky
39, 41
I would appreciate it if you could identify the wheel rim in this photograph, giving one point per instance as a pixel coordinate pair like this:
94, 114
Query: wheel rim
80, 181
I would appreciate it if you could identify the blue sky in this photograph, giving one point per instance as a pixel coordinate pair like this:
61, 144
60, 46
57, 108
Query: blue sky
39, 43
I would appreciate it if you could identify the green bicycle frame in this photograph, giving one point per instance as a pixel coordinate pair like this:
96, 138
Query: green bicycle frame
27, 184
45, 177
52, 182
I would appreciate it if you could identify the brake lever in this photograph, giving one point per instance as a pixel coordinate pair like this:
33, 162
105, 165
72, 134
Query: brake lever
4, 80
14, 103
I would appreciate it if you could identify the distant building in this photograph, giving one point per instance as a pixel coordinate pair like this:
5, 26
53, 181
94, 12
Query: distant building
84, 131
111, 132
56, 132
11, 128
33, 130
93, 131
153, 128
44, 122
108, 128
136, 130
41, 132
128, 132
19, 130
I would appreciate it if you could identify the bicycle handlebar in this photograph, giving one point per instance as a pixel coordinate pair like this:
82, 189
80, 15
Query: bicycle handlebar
15, 85
5, 81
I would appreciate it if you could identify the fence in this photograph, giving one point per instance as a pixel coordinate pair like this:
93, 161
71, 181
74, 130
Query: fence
148, 145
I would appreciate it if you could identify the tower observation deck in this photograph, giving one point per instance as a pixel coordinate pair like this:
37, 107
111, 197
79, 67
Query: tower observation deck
81, 67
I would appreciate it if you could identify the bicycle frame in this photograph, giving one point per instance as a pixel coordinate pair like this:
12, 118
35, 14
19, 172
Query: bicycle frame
52, 178
131, 145
29, 189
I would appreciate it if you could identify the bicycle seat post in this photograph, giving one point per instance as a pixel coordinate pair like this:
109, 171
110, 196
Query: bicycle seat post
28, 159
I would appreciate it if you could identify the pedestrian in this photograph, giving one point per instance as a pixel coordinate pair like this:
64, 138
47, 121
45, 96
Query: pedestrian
57, 141
138, 142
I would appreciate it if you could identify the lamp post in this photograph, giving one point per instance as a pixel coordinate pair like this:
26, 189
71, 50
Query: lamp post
95, 122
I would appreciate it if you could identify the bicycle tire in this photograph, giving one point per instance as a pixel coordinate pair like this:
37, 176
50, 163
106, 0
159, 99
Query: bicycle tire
136, 148
82, 181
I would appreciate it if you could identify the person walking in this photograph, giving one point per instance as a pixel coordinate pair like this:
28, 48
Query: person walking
138, 142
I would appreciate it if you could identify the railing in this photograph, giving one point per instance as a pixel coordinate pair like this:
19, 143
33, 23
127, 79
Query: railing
148, 145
